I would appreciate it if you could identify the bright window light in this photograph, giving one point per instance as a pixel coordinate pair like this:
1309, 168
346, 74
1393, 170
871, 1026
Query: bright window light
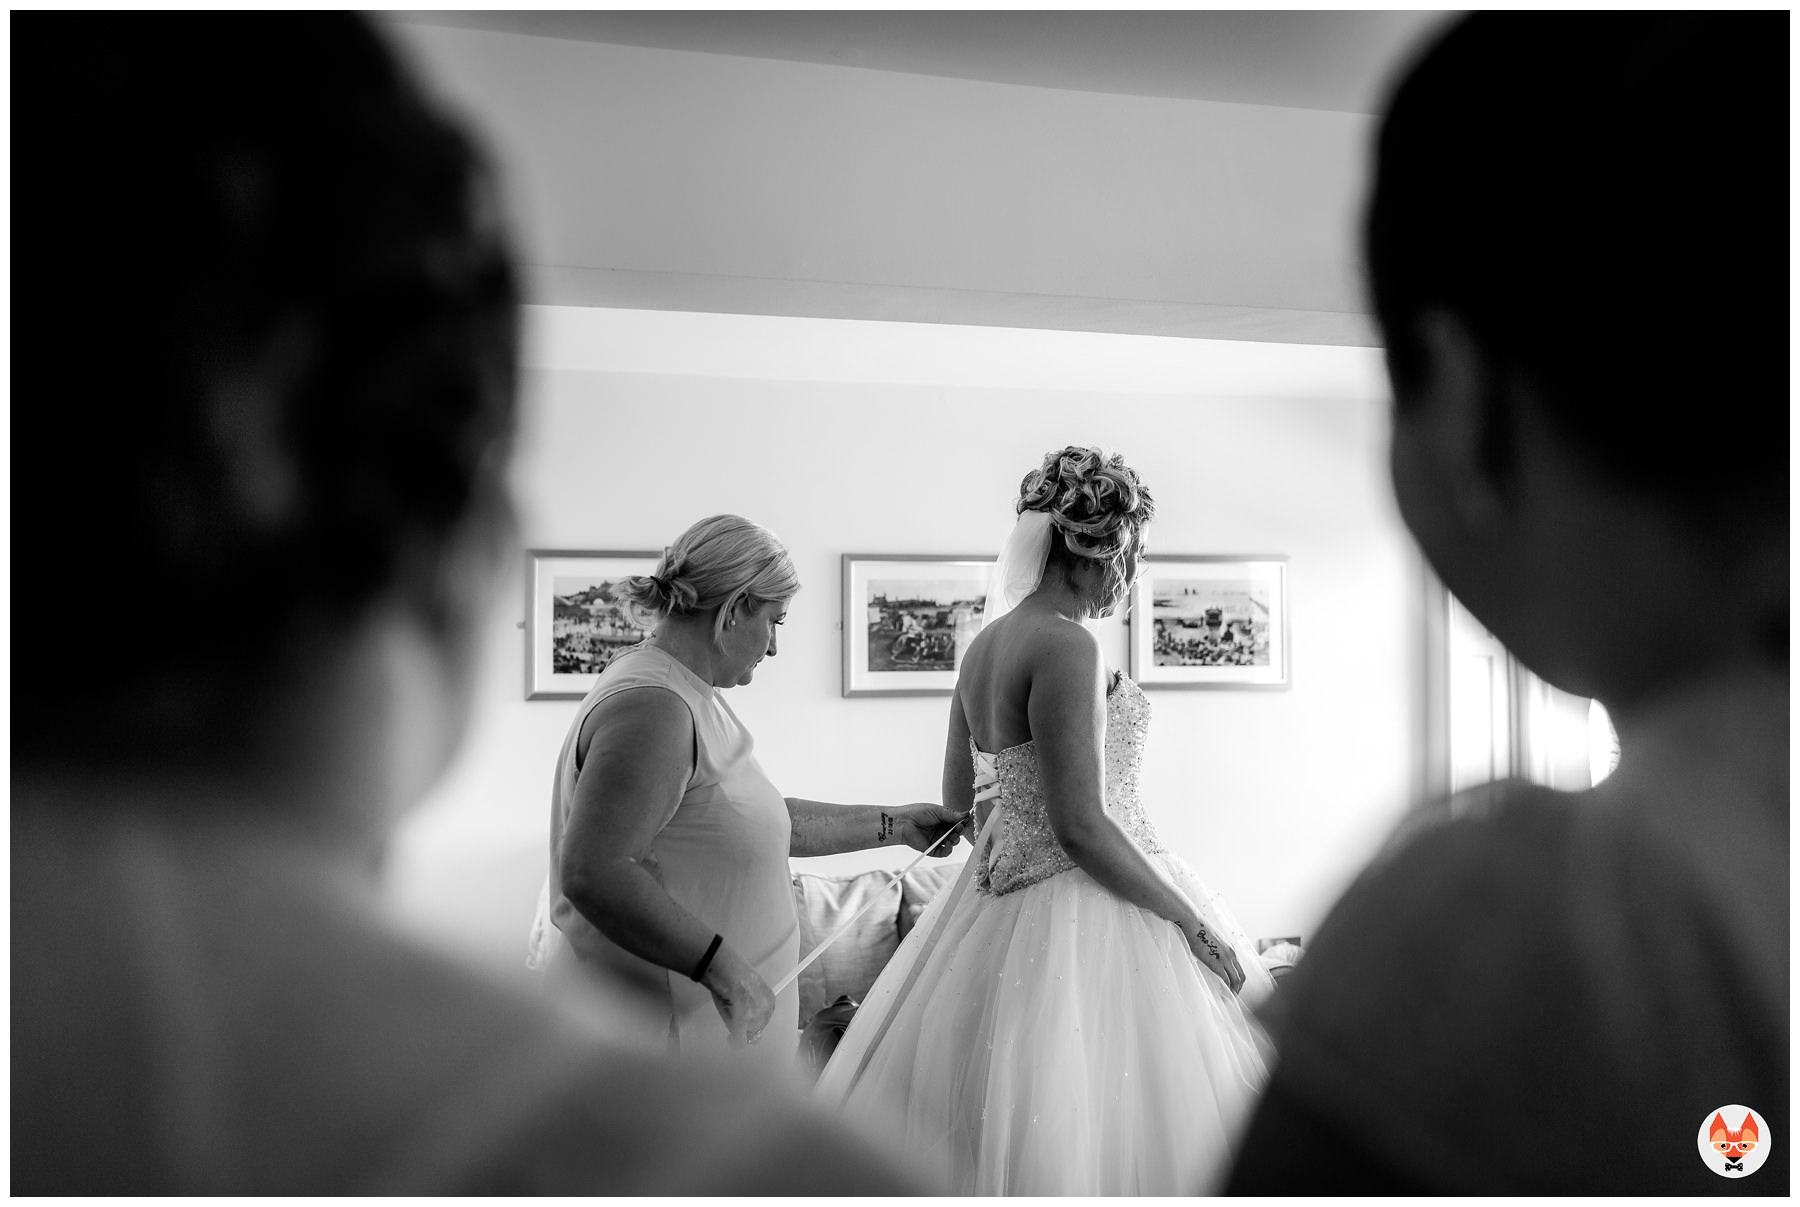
1603, 742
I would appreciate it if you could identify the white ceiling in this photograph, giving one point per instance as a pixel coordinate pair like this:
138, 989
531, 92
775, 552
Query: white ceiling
1331, 60
594, 339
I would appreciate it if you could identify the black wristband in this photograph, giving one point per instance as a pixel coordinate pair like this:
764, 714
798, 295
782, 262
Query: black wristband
712, 950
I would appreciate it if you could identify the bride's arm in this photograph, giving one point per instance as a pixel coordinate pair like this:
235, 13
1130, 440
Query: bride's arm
958, 786
1067, 711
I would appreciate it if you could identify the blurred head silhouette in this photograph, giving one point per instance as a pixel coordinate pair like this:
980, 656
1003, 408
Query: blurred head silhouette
263, 390
1580, 273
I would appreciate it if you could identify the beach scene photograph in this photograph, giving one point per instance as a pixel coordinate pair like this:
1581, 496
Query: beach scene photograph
921, 624
1210, 622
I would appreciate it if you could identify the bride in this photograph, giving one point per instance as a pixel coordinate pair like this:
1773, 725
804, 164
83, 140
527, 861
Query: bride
1066, 1018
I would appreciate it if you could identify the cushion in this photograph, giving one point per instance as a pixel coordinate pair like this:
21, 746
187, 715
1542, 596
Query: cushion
851, 964
920, 886
1279, 955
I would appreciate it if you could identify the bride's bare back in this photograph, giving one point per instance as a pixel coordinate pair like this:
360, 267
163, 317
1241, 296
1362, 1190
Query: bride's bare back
1034, 675
995, 681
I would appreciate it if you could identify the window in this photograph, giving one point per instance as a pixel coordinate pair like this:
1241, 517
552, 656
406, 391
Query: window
1506, 722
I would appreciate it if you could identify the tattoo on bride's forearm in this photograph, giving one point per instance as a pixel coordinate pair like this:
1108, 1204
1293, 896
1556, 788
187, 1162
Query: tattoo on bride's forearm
886, 829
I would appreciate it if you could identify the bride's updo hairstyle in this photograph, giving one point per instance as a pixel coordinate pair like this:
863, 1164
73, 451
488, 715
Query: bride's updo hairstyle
714, 564
1097, 506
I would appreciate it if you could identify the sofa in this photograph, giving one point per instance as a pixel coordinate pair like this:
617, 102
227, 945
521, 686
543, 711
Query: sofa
849, 966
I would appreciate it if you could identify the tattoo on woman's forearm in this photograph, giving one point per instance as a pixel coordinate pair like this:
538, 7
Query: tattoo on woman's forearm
886, 829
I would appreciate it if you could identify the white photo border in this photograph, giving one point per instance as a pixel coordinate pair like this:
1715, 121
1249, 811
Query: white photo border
542, 568
1270, 568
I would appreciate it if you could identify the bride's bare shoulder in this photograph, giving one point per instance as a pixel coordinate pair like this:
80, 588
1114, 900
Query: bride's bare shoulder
1031, 640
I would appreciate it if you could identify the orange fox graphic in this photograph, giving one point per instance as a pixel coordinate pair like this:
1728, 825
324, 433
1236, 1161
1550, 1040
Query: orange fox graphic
1732, 1145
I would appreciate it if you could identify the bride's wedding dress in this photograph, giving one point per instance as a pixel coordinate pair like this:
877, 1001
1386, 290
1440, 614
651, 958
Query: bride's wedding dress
1037, 1034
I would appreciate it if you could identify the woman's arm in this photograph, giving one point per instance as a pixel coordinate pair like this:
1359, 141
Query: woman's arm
1067, 712
958, 786
822, 828
640, 753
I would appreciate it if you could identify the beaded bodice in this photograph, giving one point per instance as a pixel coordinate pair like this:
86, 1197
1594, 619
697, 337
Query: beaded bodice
1024, 851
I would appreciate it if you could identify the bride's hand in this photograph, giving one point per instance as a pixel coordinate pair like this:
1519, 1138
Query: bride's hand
1215, 953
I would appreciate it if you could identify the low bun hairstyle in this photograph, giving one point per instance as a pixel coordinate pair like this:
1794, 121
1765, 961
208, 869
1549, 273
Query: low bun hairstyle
1097, 506
714, 564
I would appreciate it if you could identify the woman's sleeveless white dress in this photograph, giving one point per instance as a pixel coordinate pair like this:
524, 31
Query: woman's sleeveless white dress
721, 853
1037, 1034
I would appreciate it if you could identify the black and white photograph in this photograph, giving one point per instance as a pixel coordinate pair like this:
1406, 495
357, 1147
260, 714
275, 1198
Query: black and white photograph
917, 625
1210, 622
1118, 602
908, 621
577, 620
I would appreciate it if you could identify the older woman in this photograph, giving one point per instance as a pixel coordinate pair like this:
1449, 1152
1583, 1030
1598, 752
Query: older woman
668, 843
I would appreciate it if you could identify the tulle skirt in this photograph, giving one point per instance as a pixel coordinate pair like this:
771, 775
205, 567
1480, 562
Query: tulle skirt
1057, 1040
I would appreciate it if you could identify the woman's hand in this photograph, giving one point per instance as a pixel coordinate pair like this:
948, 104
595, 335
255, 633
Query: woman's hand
1214, 952
741, 996
918, 826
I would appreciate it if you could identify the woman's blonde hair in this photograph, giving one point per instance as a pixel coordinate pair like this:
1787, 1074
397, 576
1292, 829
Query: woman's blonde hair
714, 564
1098, 506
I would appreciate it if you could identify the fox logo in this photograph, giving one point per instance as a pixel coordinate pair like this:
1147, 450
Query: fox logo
1734, 1144
1734, 1151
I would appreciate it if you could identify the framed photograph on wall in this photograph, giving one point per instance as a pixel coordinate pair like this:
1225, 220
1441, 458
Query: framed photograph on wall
908, 619
1210, 621
575, 620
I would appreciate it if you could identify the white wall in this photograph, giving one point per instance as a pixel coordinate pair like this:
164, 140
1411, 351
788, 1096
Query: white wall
1276, 797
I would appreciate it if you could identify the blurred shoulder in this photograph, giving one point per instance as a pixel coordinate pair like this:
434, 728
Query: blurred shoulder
633, 1123
1503, 893
1490, 821
1495, 855
553, 1094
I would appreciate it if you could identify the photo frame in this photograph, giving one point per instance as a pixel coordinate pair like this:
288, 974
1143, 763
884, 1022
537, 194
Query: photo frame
574, 622
908, 618
1211, 621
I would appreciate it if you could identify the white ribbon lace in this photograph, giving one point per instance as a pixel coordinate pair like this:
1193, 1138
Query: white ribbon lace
987, 775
